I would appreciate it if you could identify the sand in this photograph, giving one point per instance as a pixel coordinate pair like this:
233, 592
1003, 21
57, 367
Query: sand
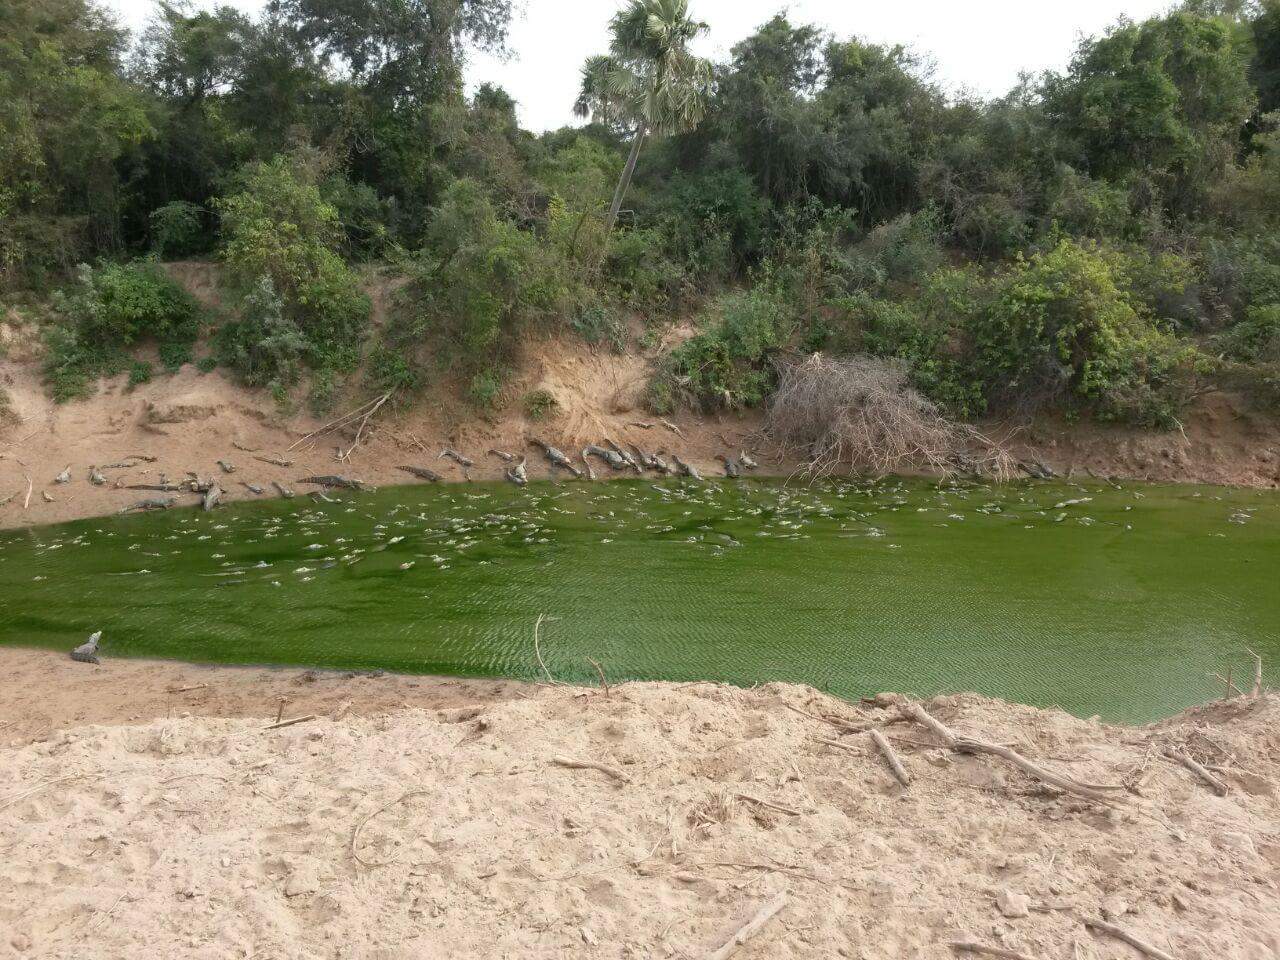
383, 831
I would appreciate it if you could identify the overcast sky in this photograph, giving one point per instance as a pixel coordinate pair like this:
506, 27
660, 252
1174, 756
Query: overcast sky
979, 45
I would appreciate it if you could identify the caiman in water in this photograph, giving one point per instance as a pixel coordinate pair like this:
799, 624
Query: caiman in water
517, 474
686, 469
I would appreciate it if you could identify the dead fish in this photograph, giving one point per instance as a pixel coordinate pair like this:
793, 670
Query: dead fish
556, 456
282, 489
330, 480
155, 503
212, 497
504, 456
608, 456
731, 468
454, 455
87, 652
251, 487
64, 476
227, 467
517, 474
686, 469
591, 474
275, 461
96, 477
422, 473
747, 462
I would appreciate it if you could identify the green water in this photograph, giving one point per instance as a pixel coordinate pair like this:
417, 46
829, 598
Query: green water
1119, 606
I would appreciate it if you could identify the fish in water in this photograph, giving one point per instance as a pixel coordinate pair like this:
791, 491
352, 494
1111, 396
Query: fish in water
227, 467
212, 497
455, 456
330, 480
87, 652
96, 477
64, 476
504, 456
731, 468
155, 503
747, 462
608, 456
282, 489
422, 473
686, 469
556, 456
517, 474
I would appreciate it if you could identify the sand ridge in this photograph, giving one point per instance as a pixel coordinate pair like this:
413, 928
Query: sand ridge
458, 832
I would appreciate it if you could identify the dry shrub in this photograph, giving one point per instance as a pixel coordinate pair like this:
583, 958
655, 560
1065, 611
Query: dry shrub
861, 414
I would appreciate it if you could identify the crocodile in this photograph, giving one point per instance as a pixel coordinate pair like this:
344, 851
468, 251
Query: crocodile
96, 477
731, 468
422, 473
455, 456
154, 503
504, 456
159, 487
591, 473
227, 467
275, 461
87, 652
64, 476
608, 456
557, 457
686, 469
330, 480
282, 489
627, 458
518, 474
251, 487
747, 462
212, 497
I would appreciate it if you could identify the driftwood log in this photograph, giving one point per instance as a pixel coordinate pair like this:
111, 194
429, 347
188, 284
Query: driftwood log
1120, 934
749, 929
891, 757
1218, 786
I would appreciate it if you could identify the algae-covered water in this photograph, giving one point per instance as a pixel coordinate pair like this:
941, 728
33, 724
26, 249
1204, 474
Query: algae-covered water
1118, 602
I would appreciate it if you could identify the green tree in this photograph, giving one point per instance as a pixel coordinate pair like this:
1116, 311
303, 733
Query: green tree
650, 78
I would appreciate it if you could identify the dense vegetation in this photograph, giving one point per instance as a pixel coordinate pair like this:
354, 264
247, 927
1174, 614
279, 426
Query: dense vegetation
1101, 241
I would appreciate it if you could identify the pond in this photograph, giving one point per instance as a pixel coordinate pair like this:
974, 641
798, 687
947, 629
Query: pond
1113, 601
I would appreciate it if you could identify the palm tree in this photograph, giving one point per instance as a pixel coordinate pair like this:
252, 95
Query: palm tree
649, 80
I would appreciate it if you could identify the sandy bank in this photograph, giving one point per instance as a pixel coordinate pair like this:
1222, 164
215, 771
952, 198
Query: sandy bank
452, 831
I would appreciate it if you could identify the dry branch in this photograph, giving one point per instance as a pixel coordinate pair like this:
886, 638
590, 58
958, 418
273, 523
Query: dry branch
967, 946
1257, 675
1141, 945
571, 764
767, 803
861, 413
600, 670
891, 756
749, 929
1218, 786
289, 723
355, 834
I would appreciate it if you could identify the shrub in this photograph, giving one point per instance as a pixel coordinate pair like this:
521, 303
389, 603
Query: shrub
728, 365
540, 404
1062, 328
263, 345
597, 324
139, 373
179, 229
391, 371
637, 265
486, 387
207, 364
1256, 339
174, 354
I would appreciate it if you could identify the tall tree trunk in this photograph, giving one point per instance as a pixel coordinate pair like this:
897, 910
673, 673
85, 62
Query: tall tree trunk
625, 180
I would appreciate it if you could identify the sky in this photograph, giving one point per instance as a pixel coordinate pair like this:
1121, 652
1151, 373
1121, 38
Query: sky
979, 46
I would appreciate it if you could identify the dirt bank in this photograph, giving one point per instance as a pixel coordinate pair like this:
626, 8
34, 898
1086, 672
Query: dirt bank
190, 421
459, 832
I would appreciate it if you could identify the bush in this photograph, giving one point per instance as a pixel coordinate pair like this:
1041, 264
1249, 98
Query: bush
1062, 328
486, 387
139, 373
207, 364
637, 265
728, 365
391, 371
540, 404
263, 346
179, 229
174, 354
597, 324
1256, 339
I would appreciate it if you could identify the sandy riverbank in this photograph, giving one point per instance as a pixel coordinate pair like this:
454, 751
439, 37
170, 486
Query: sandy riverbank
424, 818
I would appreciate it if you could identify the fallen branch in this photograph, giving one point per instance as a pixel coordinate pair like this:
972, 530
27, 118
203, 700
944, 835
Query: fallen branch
1088, 791
194, 686
355, 834
767, 803
749, 929
891, 757
967, 946
1154, 952
363, 423
1257, 675
26, 502
289, 723
334, 424
537, 649
1231, 687
572, 764
923, 716
1218, 786
600, 670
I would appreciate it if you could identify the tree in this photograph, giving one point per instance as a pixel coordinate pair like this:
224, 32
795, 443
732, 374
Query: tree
650, 78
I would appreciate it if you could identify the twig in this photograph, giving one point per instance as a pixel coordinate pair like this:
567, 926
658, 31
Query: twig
290, 723
840, 724
194, 686
37, 788
355, 834
537, 649
891, 756
749, 929
767, 803
1154, 952
1257, 674
572, 764
968, 946
1218, 786
26, 502
841, 746
1230, 686
363, 423
600, 670
333, 424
